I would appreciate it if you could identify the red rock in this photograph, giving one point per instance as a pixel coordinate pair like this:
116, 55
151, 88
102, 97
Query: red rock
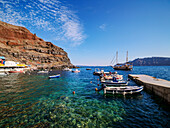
25, 47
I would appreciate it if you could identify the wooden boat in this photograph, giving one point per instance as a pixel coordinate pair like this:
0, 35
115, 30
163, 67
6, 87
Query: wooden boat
123, 66
126, 66
54, 76
76, 71
123, 90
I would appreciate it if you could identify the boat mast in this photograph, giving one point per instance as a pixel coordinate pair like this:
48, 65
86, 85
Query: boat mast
116, 57
127, 57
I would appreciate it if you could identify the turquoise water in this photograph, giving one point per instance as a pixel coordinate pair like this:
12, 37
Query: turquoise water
36, 101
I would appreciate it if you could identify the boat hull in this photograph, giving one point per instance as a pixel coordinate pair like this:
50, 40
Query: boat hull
16, 71
54, 76
127, 69
114, 83
123, 90
75, 71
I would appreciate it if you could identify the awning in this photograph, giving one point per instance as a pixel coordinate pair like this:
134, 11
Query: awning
2, 57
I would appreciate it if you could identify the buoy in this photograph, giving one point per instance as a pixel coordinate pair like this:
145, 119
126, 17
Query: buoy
98, 84
90, 81
73, 92
97, 79
96, 89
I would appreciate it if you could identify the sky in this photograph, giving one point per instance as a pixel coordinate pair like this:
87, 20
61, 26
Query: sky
91, 31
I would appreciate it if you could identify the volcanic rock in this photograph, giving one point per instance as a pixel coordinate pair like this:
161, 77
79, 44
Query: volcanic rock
20, 45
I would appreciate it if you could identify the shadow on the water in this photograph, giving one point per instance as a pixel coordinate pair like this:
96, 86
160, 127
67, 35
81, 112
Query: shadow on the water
159, 101
119, 96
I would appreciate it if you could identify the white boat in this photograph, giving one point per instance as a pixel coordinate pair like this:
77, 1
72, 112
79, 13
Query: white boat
112, 76
123, 90
113, 79
114, 82
76, 71
54, 76
3, 73
46, 71
67, 69
17, 70
99, 72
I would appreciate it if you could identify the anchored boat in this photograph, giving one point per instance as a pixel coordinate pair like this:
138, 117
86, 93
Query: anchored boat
45, 71
124, 66
54, 76
17, 70
67, 69
99, 72
114, 84
123, 90
113, 80
76, 71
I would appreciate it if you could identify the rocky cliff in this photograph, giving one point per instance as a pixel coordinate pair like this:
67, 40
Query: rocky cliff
20, 45
153, 61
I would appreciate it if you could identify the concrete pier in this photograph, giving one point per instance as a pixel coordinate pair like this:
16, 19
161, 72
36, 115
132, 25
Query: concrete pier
159, 87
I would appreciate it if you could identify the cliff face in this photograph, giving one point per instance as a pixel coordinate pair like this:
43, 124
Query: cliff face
154, 61
20, 45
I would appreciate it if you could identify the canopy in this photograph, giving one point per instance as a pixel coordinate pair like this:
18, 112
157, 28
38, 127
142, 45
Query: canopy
2, 57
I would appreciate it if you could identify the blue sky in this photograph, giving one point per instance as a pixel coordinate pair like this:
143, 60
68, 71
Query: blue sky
91, 31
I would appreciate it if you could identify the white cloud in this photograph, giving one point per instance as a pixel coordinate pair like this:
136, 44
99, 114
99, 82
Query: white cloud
103, 27
49, 15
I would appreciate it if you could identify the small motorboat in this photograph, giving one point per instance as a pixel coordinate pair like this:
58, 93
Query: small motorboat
67, 69
3, 73
114, 82
76, 71
54, 76
99, 72
17, 71
123, 90
113, 79
88, 68
111, 76
46, 71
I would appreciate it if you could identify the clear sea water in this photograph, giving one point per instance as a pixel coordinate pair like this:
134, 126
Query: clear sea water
33, 100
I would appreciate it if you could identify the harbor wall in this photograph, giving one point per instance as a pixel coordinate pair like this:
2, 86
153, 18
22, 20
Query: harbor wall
157, 89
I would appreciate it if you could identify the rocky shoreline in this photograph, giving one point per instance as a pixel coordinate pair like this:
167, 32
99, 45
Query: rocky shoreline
20, 45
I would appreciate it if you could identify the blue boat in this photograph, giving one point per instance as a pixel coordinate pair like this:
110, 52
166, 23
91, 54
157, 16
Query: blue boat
54, 76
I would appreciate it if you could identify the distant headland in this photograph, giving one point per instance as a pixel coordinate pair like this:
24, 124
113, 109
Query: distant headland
20, 45
152, 61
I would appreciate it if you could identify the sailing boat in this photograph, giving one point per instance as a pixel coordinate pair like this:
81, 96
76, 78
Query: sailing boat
123, 66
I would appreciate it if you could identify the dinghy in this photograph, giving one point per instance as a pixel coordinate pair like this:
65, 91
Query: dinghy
54, 76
